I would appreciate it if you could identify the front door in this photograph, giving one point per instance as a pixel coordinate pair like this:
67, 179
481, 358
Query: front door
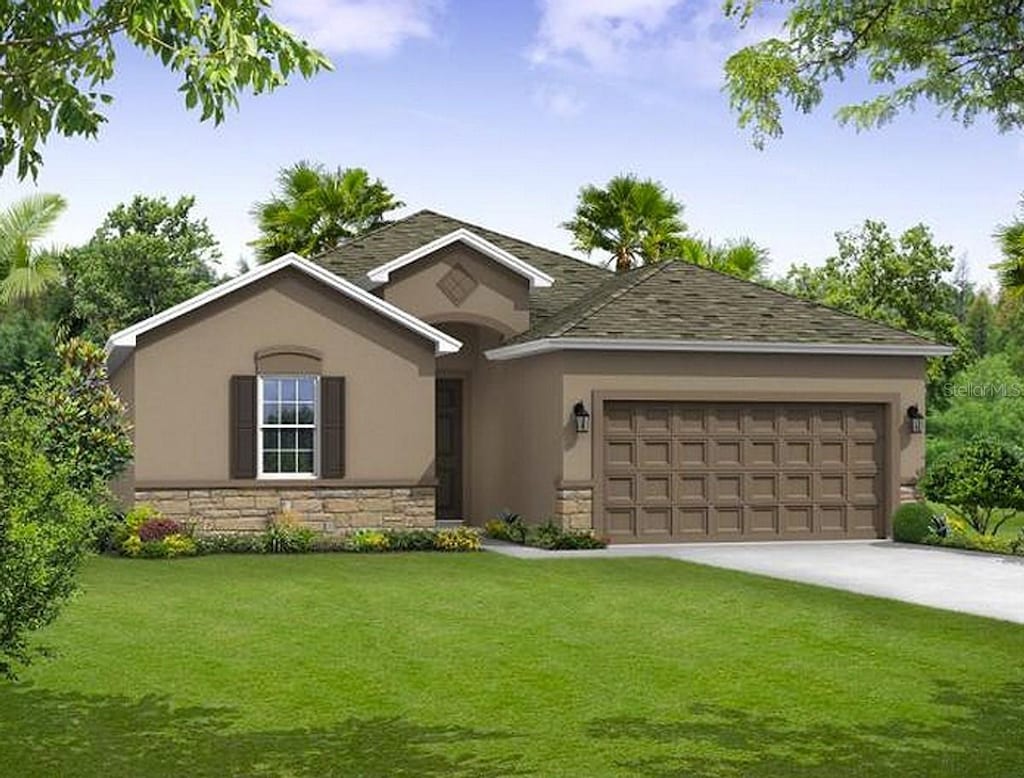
449, 448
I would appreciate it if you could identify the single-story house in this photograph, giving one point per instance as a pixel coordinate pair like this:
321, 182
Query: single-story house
434, 370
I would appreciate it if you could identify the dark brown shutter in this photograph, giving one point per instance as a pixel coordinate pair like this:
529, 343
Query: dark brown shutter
332, 427
243, 426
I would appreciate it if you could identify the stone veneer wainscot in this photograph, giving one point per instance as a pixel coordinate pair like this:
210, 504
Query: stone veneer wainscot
331, 510
574, 507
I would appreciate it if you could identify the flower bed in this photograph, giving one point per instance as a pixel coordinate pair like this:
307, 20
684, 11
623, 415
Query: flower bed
510, 527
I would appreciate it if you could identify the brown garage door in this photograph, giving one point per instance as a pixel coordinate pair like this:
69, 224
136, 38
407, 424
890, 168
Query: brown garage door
739, 471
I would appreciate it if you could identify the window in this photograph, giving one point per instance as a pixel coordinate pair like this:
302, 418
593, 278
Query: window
288, 426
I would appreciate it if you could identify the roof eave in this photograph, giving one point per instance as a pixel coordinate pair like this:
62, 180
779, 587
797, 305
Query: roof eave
121, 343
547, 345
537, 278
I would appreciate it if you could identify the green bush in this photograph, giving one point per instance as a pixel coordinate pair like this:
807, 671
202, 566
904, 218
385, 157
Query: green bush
982, 480
972, 541
554, 538
411, 540
912, 522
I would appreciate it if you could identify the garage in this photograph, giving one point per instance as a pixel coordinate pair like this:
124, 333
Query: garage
699, 471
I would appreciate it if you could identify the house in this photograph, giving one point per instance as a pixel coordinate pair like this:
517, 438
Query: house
434, 370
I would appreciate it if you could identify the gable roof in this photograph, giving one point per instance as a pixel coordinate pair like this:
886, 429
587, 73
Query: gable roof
571, 277
537, 278
680, 306
120, 344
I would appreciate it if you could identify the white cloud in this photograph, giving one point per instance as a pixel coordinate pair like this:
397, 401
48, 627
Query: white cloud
376, 27
683, 40
559, 100
598, 33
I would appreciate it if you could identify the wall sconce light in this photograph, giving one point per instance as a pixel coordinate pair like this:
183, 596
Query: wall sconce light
915, 419
581, 417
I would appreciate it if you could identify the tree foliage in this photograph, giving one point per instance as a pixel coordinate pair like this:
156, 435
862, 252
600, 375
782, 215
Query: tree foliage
636, 221
315, 209
742, 258
27, 269
896, 281
964, 56
56, 56
982, 480
63, 435
1010, 239
148, 255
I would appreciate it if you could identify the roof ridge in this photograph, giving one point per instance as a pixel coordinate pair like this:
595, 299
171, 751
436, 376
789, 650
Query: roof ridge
808, 302
368, 234
505, 235
612, 297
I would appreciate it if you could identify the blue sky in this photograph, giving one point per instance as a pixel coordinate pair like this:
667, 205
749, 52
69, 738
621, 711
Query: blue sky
497, 111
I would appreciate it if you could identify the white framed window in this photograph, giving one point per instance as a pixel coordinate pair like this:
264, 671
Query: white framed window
288, 441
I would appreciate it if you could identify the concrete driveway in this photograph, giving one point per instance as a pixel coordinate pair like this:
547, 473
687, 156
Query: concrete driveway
982, 584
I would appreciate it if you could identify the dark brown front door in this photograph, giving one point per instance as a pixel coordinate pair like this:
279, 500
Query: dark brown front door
449, 448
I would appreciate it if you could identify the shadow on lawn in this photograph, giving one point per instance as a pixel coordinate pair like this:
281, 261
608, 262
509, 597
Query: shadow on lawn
976, 736
47, 733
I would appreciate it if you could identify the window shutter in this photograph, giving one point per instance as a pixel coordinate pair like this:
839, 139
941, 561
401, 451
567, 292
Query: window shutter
332, 427
243, 426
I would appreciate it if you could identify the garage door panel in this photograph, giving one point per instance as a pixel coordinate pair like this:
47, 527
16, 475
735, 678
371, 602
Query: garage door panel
620, 453
656, 488
620, 488
692, 453
762, 520
655, 521
727, 453
798, 519
760, 453
732, 471
692, 488
727, 522
655, 453
654, 419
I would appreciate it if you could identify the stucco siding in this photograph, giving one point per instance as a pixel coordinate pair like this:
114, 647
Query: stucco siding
182, 372
499, 298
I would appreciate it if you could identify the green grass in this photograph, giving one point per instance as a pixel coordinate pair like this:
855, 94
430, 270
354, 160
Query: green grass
480, 665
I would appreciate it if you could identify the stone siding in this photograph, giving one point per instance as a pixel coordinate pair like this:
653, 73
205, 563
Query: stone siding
909, 493
574, 508
330, 510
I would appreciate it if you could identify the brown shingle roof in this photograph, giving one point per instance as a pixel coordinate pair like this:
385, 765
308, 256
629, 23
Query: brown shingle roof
669, 301
681, 301
572, 276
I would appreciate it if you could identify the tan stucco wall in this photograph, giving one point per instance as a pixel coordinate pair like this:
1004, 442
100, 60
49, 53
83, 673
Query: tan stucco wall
182, 372
755, 374
500, 299
123, 383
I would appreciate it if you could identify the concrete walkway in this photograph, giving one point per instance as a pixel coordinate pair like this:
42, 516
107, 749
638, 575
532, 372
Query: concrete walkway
982, 584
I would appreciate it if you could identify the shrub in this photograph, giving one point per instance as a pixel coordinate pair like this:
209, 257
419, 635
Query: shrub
368, 540
158, 529
972, 541
457, 539
225, 543
554, 538
911, 523
496, 529
287, 538
411, 540
983, 480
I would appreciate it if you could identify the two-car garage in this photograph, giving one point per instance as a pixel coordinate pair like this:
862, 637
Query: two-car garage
712, 471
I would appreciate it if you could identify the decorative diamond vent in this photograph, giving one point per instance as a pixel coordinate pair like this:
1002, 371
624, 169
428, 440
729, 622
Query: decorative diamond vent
457, 284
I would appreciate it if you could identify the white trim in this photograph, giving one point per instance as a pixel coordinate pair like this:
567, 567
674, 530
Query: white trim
260, 475
120, 344
537, 278
546, 345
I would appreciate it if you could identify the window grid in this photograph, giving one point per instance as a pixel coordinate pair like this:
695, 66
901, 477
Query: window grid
288, 426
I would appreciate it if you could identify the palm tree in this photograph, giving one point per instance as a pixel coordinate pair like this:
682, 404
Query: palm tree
636, 221
1010, 238
741, 258
315, 209
26, 269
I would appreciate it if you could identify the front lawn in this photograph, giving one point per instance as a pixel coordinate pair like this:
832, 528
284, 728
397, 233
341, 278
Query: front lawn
481, 665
